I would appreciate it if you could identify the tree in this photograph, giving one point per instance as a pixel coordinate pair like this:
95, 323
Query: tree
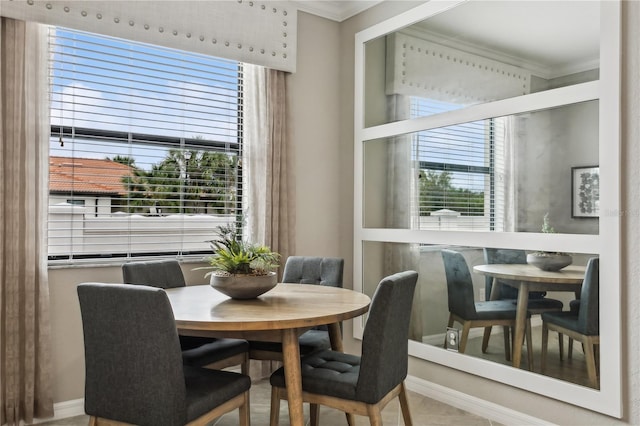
187, 182
437, 192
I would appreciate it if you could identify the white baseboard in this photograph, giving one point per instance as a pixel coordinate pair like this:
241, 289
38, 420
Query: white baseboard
471, 404
64, 410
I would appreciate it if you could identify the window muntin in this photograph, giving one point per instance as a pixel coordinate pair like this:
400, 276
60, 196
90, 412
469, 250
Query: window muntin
148, 139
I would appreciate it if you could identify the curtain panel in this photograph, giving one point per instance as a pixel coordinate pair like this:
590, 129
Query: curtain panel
25, 364
269, 209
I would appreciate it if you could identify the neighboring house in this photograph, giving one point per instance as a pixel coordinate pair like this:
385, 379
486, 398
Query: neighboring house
96, 184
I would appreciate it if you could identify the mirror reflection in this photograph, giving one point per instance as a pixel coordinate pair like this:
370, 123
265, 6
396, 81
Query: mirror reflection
470, 300
455, 60
501, 174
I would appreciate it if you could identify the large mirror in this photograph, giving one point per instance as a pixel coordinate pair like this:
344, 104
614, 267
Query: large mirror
485, 129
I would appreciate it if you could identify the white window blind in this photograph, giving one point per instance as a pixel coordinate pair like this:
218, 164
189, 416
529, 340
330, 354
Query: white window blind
145, 148
460, 170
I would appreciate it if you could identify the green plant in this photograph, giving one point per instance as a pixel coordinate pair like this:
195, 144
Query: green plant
548, 229
235, 256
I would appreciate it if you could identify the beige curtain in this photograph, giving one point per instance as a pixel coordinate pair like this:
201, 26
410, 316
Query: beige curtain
268, 205
402, 209
25, 364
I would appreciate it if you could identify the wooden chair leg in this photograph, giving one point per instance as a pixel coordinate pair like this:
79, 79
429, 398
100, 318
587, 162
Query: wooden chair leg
351, 419
404, 405
274, 417
314, 414
561, 345
93, 421
591, 363
570, 349
245, 419
244, 366
375, 417
485, 339
508, 350
464, 337
545, 342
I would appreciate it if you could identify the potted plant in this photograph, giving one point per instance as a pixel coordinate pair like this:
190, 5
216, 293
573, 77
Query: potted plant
241, 269
545, 260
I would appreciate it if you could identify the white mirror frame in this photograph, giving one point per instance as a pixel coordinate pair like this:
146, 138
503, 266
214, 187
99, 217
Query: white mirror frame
607, 400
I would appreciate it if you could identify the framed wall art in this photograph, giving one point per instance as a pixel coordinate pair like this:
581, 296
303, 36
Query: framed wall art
585, 191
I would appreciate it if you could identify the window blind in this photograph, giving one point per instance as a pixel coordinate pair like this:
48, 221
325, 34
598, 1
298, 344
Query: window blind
460, 171
145, 148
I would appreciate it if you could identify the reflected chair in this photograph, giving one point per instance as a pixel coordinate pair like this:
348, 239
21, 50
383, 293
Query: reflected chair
134, 369
364, 384
304, 270
196, 351
583, 325
538, 302
471, 314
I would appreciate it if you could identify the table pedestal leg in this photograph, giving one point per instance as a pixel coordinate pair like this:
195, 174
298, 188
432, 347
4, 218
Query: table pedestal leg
292, 375
521, 321
335, 336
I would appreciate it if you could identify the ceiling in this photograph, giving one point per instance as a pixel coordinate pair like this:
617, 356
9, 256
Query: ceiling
334, 10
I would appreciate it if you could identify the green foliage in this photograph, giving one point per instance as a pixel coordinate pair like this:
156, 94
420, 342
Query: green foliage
207, 180
437, 192
546, 225
233, 255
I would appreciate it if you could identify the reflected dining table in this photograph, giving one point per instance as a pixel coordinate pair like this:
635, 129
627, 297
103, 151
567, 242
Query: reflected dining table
526, 278
280, 315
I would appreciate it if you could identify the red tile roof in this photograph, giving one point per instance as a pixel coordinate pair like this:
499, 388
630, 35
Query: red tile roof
87, 176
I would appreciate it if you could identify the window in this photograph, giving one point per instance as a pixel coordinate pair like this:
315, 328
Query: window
459, 167
145, 148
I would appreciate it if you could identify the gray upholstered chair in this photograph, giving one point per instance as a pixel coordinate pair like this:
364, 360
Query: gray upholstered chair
538, 302
134, 369
471, 314
583, 325
364, 384
196, 351
304, 270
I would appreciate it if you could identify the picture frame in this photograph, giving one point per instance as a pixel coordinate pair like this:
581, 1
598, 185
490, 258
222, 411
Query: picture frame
585, 192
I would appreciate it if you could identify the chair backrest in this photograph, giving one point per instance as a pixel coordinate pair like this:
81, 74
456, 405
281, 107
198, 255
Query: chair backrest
508, 256
589, 313
386, 337
155, 273
132, 356
313, 270
459, 285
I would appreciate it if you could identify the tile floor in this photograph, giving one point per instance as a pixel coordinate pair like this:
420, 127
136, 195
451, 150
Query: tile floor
424, 411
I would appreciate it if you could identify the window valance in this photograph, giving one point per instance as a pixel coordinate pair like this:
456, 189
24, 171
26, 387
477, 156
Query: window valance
258, 32
417, 67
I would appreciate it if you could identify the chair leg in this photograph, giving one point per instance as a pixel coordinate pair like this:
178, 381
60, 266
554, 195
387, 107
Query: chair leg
508, 350
591, 363
274, 417
375, 417
404, 405
314, 414
545, 342
93, 421
529, 344
561, 345
245, 419
570, 349
465, 335
244, 366
351, 419
485, 339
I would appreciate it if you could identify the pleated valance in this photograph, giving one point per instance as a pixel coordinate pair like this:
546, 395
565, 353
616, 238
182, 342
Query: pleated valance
258, 32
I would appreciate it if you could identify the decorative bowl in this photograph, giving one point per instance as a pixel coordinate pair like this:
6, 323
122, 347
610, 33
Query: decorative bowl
243, 286
549, 261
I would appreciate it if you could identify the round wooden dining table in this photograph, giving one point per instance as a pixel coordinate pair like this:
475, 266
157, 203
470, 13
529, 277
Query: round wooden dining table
280, 315
528, 278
